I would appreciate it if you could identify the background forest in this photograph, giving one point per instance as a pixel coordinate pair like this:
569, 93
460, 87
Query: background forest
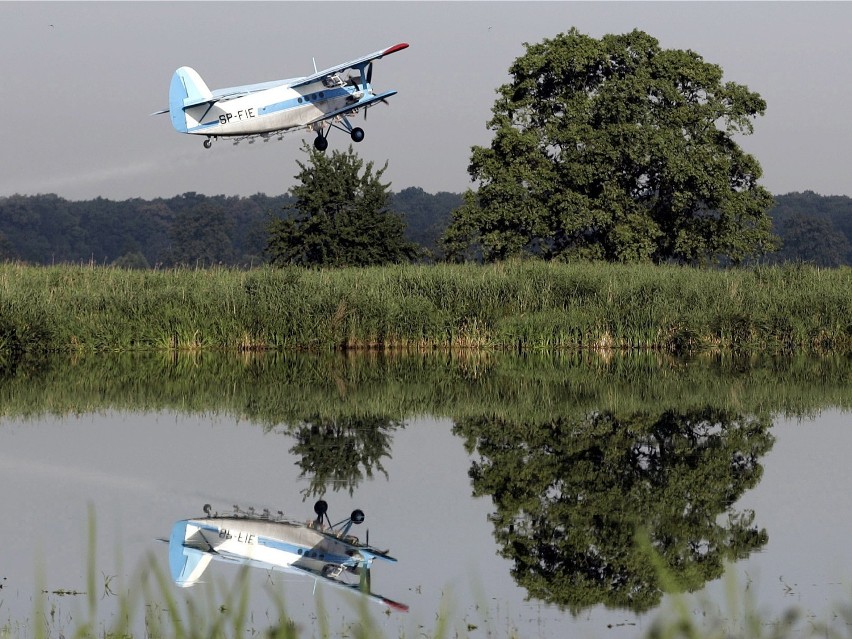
199, 230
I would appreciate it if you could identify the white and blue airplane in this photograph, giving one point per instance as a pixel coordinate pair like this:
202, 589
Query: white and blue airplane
314, 548
318, 102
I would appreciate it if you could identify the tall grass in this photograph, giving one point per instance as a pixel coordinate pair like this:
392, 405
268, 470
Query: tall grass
528, 305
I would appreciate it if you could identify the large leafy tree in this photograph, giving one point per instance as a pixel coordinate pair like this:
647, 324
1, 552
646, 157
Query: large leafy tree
619, 150
340, 216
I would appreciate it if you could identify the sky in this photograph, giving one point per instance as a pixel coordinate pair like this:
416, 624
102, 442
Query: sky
80, 80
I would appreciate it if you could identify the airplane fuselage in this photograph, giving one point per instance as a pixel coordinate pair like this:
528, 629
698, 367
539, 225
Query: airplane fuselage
270, 110
263, 544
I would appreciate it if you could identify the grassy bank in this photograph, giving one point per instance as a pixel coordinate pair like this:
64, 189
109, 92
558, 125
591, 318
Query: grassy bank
517, 306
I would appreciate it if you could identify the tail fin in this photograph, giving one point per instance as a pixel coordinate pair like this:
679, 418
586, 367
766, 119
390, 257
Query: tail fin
185, 562
187, 90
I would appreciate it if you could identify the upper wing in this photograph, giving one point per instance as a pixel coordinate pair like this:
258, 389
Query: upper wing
352, 64
235, 92
362, 587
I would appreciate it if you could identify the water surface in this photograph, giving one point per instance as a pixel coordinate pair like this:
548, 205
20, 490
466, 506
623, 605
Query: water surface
727, 466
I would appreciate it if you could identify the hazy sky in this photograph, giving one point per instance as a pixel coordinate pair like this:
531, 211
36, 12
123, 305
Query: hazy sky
79, 81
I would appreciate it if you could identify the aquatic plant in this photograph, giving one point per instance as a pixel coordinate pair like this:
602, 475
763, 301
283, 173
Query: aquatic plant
523, 305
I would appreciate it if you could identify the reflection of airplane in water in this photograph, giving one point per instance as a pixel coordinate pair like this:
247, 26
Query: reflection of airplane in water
315, 548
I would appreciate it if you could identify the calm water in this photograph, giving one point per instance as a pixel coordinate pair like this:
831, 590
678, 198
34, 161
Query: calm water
465, 469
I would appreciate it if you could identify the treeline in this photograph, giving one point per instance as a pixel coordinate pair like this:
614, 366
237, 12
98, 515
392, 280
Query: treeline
199, 230
189, 229
813, 228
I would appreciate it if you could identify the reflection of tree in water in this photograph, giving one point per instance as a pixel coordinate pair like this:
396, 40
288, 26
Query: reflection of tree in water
571, 495
340, 452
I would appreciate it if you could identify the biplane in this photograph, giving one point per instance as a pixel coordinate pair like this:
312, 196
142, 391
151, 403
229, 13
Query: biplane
314, 548
318, 102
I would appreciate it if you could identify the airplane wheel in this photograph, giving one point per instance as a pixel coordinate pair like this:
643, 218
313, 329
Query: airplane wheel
357, 516
208, 143
357, 134
320, 143
321, 507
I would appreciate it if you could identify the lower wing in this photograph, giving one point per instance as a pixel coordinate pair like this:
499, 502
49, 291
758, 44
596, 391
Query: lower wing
349, 108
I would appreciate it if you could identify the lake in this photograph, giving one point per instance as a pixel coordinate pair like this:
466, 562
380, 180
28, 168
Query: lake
510, 487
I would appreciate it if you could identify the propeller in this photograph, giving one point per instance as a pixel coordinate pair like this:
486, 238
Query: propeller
367, 108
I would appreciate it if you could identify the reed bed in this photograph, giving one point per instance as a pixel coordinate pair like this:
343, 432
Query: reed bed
521, 306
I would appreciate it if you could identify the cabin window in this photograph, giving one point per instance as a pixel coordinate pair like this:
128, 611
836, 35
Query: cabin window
300, 100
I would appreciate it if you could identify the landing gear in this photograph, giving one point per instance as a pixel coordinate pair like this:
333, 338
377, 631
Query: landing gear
341, 528
208, 143
320, 508
340, 123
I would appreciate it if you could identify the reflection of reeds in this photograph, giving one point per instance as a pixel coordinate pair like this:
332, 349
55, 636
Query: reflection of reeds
511, 306
273, 388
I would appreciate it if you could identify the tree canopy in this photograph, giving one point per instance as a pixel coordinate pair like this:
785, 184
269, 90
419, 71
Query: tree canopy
619, 150
340, 216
